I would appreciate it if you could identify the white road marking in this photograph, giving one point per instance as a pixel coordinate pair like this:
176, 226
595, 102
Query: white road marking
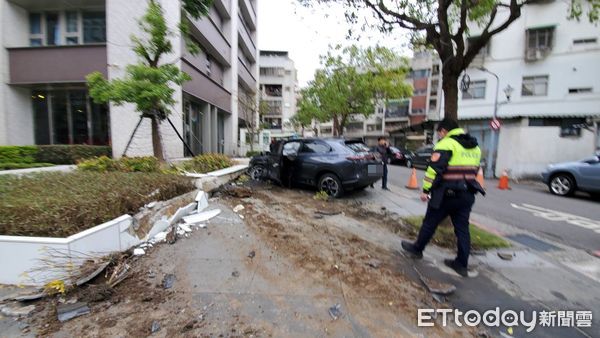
558, 216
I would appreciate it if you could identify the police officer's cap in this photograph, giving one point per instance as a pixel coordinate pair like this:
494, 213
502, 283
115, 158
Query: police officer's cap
447, 124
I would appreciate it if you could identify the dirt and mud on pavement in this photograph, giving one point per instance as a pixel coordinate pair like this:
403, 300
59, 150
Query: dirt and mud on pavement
284, 265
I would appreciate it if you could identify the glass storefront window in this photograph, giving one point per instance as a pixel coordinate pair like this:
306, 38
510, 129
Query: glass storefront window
40, 116
69, 117
71, 22
35, 23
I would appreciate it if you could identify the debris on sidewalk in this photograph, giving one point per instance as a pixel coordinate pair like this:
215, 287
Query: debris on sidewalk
151, 205
374, 263
434, 286
506, 256
235, 274
120, 273
327, 213
202, 217
335, 311
139, 252
238, 208
185, 228
252, 254
202, 200
155, 327
69, 311
438, 298
241, 216
168, 281
17, 310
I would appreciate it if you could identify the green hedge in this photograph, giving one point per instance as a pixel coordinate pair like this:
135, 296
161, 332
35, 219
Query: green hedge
146, 164
18, 154
206, 163
53, 154
70, 154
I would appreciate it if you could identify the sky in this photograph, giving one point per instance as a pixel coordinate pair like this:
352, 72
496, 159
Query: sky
306, 33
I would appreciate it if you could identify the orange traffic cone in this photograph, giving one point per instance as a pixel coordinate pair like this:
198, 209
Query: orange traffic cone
480, 178
503, 183
412, 182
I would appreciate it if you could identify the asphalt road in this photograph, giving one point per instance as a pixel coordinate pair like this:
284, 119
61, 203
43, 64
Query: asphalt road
574, 221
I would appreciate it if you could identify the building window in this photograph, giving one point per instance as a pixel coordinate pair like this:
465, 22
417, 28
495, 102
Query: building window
476, 91
539, 42
94, 27
535, 86
419, 74
420, 92
580, 90
585, 41
52, 29
66, 28
69, 117
271, 71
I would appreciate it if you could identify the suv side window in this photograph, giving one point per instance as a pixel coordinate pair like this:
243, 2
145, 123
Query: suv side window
315, 148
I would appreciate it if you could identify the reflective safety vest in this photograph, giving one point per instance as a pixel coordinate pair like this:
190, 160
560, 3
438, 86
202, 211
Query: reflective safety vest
454, 163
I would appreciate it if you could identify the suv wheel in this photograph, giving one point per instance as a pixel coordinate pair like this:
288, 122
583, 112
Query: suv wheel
562, 185
257, 172
331, 184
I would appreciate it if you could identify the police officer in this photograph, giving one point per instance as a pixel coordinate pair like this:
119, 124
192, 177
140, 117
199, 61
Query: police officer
450, 186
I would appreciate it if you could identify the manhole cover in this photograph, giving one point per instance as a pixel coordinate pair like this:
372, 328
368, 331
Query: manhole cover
533, 243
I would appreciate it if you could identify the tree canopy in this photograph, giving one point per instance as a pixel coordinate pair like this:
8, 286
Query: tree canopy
147, 84
444, 25
350, 84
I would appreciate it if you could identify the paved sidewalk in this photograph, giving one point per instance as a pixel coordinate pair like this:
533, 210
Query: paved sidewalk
543, 275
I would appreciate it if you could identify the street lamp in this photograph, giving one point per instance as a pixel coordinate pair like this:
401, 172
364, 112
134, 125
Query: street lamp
490, 155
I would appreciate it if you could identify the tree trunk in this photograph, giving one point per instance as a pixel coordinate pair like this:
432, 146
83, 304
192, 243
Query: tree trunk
450, 88
156, 142
335, 126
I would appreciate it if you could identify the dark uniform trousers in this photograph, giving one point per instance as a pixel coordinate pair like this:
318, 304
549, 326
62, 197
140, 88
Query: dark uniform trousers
384, 177
458, 206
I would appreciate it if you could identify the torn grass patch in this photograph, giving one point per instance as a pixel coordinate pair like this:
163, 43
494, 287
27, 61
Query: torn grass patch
444, 235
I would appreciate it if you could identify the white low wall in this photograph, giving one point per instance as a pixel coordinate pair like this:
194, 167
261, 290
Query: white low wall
21, 254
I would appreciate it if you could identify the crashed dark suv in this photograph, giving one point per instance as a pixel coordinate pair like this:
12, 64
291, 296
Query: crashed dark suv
330, 165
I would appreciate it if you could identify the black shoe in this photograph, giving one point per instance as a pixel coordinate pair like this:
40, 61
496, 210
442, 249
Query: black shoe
372, 186
453, 264
410, 248
385, 188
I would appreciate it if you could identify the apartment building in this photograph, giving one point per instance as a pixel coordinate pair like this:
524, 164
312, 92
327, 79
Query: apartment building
278, 81
403, 120
50, 46
543, 71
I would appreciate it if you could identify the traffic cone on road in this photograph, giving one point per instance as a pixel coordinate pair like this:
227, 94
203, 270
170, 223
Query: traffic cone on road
412, 182
503, 183
480, 178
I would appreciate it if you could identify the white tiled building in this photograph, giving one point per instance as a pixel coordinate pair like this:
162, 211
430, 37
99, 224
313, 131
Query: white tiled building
552, 65
50, 46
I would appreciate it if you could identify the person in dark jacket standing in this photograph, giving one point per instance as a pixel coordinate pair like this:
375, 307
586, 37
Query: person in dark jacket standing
383, 149
450, 185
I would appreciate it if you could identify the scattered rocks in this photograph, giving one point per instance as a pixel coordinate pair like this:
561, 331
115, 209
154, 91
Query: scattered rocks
506, 256
16, 310
238, 208
139, 252
155, 327
335, 311
252, 254
168, 281
374, 263
235, 274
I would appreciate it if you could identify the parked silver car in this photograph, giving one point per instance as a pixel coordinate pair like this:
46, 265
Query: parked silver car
565, 178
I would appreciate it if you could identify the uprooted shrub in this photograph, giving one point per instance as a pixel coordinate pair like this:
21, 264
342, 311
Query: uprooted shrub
206, 163
62, 204
147, 164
